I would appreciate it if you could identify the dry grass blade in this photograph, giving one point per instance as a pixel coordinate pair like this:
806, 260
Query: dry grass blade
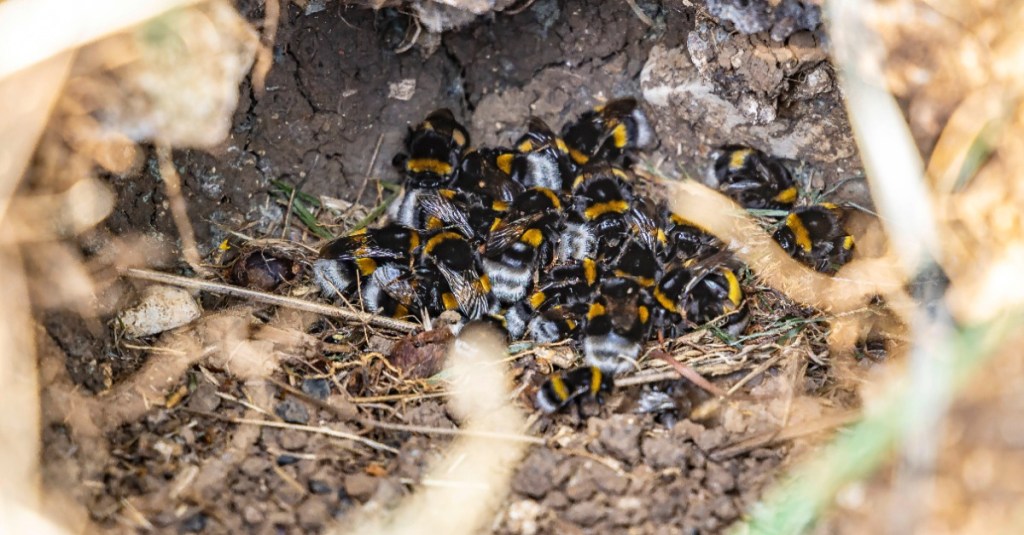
785, 434
179, 210
272, 299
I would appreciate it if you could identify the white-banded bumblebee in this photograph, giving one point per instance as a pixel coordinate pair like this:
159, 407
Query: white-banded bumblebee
553, 324
688, 240
391, 290
542, 159
433, 150
567, 284
520, 243
459, 285
360, 253
815, 236
575, 385
689, 296
601, 201
607, 132
616, 325
488, 172
754, 179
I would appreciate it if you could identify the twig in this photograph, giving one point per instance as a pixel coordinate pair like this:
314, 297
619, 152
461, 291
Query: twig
640, 13
688, 373
396, 397
179, 212
452, 432
785, 434
307, 428
271, 299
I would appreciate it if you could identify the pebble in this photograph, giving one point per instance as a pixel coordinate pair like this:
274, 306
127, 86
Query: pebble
360, 486
193, 524
318, 388
663, 452
585, 514
620, 437
286, 459
312, 514
254, 466
292, 440
580, 486
204, 398
252, 515
317, 486
292, 411
534, 478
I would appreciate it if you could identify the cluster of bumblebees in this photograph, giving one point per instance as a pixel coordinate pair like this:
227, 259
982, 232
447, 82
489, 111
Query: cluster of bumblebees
549, 241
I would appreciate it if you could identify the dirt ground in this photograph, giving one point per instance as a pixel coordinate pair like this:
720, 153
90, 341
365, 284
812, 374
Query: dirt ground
337, 103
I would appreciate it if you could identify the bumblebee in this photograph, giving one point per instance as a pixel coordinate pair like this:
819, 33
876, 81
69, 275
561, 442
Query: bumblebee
602, 199
575, 385
688, 296
451, 279
554, 324
567, 284
637, 262
815, 236
434, 148
263, 269
607, 132
542, 159
360, 253
391, 290
616, 326
689, 240
515, 248
754, 179
487, 172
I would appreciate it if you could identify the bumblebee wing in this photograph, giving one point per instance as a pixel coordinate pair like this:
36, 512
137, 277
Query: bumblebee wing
343, 248
445, 210
468, 291
400, 285
505, 234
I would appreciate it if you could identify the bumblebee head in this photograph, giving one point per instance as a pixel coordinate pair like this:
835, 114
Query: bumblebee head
786, 239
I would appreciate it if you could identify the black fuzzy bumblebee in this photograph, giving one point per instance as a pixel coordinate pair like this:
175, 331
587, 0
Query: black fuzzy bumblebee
616, 326
556, 323
360, 253
688, 239
607, 132
754, 179
687, 297
575, 385
567, 284
450, 278
434, 148
488, 172
815, 236
600, 214
391, 290
520, 243
543, 158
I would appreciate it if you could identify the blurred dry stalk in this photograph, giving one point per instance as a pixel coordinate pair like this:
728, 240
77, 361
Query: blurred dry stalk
957, 68
137, 85
462, 491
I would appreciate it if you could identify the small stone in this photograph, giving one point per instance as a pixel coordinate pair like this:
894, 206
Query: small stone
556, 500
319, 487
204, 398
292, 411
663, 452
522, 516
719, 479
286, 459
254, 466
534, 478
360, 486
292, 440
620, 437
585, 514
287, 493
318, 388
312, 514
193, 524
252, 515
581, 486
608, 481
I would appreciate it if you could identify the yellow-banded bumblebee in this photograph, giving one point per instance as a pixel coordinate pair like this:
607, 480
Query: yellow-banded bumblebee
360, 253
616, 324
460, 286
690, 296
567, 284
556, 323
602, 198
543, 158
488, 172
815, 236
434, 148
638, 262
518, 245
754, 179
688, 239
575, 385
391, 290
607, 132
